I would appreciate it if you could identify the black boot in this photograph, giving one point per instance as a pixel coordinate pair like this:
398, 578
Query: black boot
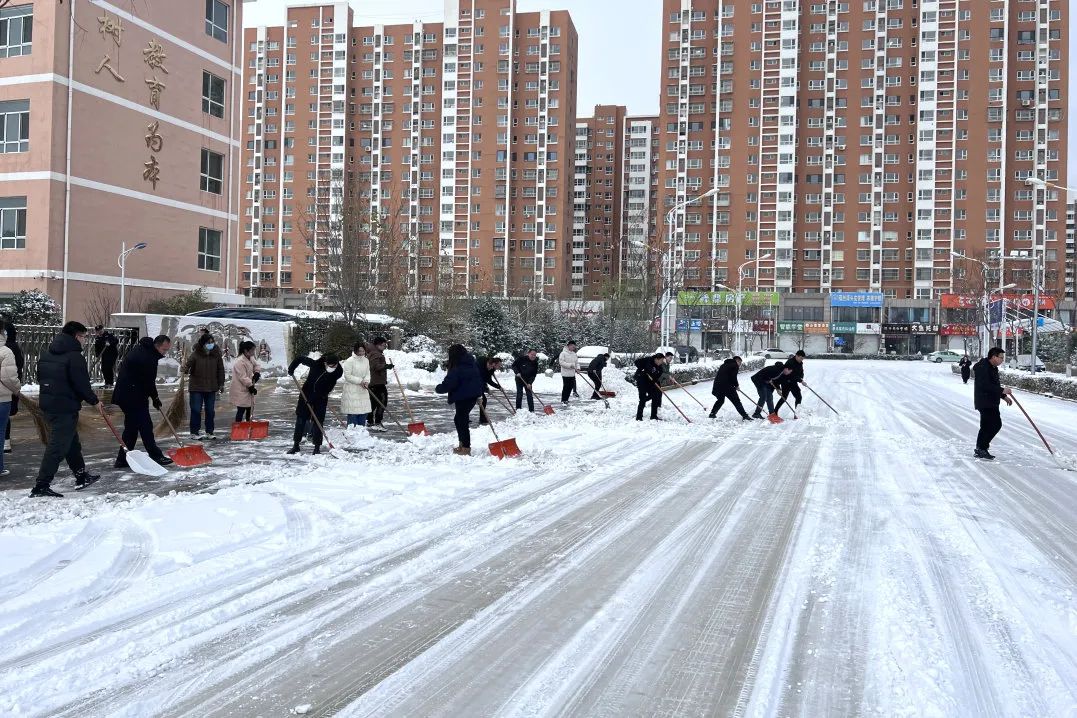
84, 478
121, 460
294, 449
164, 460
758, 414
317, 450
44, 490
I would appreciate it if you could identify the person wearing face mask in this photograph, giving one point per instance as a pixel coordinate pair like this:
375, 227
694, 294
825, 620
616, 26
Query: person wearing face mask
205, 370
321, 378
65, 384
136, 389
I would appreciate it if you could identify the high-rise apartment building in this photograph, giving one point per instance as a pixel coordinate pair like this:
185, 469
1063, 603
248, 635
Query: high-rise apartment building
597, 202
858, 145
640, 198
118, 126
454, 138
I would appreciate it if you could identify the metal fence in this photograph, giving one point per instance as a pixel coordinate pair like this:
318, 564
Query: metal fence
34, 341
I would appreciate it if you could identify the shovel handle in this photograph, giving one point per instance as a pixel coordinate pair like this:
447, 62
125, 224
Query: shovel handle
407, 406
670, 400
482, 413
1030, 421
681, 386
386, 410
594, 389
328, 441
825, 401
168, 422
108, 423
531, 389
507, 402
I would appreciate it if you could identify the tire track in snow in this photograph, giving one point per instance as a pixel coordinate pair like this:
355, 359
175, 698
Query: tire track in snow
24, 581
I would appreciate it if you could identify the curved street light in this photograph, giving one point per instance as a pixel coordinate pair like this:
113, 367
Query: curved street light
667, 295
121, 262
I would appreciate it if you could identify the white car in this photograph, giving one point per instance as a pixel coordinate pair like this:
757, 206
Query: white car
1024, 363
772, 353
945, 355
584, 355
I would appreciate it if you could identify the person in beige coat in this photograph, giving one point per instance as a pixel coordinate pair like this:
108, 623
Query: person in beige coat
9, 386
245, 374
355, 398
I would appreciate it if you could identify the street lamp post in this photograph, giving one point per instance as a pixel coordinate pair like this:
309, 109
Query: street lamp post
667, 296
740, 298
122, 263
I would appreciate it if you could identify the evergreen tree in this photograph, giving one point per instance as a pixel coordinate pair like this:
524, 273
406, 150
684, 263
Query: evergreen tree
32, 307
491, 328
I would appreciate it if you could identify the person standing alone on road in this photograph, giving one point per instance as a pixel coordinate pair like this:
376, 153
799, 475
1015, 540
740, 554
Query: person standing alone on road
463, 383
525, 367
10, 386
594, 373
648, 371
136, 389
987, 393
245, 375
966, 368
379, 380
65, 384
205, 366
567, 361
105, 348
725, 387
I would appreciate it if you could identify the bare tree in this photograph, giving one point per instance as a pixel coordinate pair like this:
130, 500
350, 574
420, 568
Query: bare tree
101, 305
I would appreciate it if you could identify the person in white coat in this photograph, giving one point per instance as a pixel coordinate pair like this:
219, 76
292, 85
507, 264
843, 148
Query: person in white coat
567, 361
10, 386
355, 398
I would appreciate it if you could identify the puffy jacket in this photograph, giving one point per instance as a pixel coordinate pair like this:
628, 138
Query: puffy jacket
797, 374
206, 370
243, 370
488, 375
137, 380
463, 381
355, 399
597, 364
319, 382
526, 367
9, 375
986, 387
645, 367
567, 360
726, 378
379, 366
768, 374
64, 378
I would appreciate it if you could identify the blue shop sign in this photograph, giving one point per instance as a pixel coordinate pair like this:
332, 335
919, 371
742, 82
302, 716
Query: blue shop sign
856, 299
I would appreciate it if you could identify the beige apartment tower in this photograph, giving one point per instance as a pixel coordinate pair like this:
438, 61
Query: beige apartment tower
118, 126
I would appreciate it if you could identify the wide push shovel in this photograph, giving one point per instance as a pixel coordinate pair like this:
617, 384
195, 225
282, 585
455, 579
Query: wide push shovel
416, 428
250, 430
138, 461
188, 456
546, 408
505, 449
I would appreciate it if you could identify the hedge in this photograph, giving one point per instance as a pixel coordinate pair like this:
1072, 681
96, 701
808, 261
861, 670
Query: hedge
1049, 384
873, 357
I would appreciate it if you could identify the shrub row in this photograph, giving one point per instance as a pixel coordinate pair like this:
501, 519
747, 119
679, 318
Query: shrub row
1051, 384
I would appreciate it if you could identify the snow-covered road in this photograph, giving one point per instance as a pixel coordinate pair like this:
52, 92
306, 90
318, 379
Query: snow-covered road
861, 564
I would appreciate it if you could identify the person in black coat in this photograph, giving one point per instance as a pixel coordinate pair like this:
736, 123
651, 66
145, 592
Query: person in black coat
65, 385
321, 379
765, 381
790, 383
20, 363
966, 368
725, 387
987, 394
488, 369
525, 367
136, 389
594, 373
648, 373
464, 385
106, 348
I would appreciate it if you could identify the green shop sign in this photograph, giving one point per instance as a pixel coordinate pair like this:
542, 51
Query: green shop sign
843, 327
790, 327
728, 299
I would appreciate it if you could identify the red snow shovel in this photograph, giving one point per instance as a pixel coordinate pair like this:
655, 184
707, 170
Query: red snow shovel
546, 408
187, 456
250, 430
416, 428
506, 449
592, 388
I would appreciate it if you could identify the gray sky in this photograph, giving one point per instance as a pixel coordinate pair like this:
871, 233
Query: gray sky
620, 46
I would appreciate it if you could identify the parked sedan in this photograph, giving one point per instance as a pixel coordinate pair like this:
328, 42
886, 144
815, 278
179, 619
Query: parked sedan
944, 355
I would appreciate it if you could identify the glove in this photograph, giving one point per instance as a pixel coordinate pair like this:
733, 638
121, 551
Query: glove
251, 390
390, 366
157, 403
257, 376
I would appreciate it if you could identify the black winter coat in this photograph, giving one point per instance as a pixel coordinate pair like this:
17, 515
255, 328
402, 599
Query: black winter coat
64, 378
597, 364
136, 382
645, 367
105, 345
526, 368
488, 376
726, 378
462, 382
798, 371
986, 387
768, 374
319, 382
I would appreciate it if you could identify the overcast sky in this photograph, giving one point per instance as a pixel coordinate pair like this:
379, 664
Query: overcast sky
620, 46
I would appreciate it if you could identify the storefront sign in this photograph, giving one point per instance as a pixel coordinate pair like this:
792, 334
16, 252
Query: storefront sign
925, 328
958, 330
856, 299
763, 326
790, 327
843, 327
897, 329
682, 325
816, 328
868, 328
696, 325
966, 301
729, 299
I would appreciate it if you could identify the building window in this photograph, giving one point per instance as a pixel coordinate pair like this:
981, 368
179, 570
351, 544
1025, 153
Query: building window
212, 171
212, 94
217, 20
14, 126
15, 30
12, 223
209, 249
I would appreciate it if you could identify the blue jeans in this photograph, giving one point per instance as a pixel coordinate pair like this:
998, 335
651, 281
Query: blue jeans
200, 400
5, 413
356, 419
